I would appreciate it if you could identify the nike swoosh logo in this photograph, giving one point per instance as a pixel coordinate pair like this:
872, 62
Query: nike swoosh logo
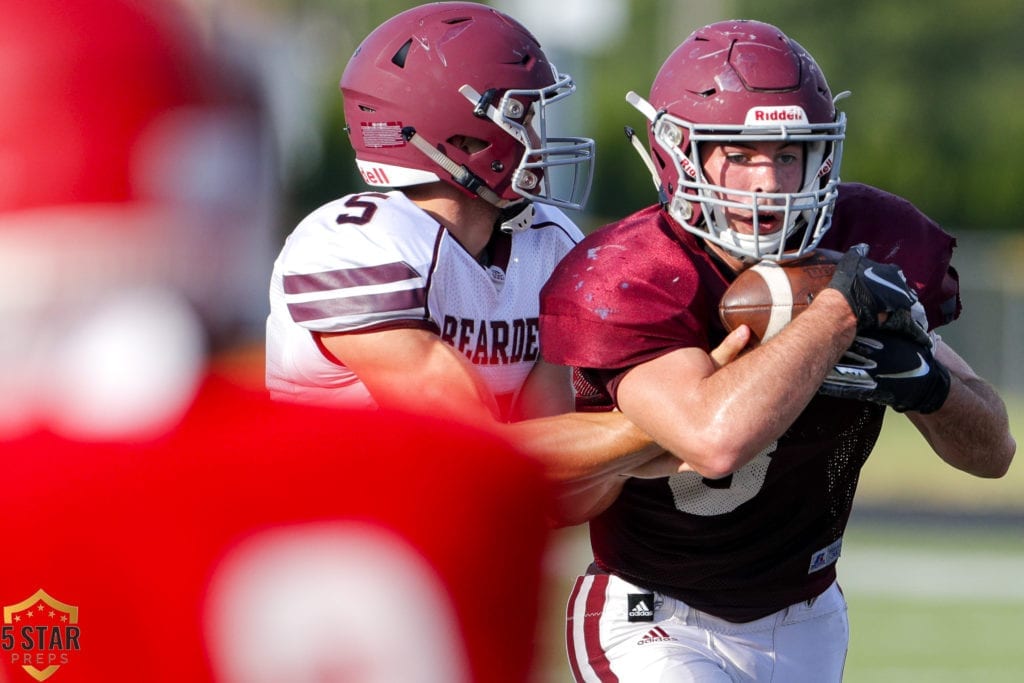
869, 273
920, 371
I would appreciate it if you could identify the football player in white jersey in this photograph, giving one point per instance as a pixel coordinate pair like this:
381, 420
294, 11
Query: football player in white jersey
426, 297
191, 529
373, 292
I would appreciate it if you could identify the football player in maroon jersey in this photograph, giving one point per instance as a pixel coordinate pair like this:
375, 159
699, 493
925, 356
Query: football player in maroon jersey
162, 519
728, 572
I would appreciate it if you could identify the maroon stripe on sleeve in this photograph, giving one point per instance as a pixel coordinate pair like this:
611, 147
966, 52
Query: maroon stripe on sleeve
358, 305
348, 277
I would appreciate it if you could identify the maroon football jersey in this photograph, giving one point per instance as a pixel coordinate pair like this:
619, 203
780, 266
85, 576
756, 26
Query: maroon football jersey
268, 541
768, 535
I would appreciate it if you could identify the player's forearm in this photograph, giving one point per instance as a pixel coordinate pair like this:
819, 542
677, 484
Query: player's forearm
745, 405
578, 506
583, 448
971, 430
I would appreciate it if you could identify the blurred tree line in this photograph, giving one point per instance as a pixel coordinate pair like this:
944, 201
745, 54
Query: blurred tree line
934, 115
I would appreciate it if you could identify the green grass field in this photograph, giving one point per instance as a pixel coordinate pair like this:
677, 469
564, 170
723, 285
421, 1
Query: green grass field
934, 604
936, 597
934, 642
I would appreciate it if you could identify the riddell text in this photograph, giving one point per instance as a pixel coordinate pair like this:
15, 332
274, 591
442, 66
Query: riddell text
784, 115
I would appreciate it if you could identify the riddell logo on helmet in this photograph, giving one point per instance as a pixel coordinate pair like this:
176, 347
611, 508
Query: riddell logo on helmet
688, 167
374, 175
760, 116
826, 168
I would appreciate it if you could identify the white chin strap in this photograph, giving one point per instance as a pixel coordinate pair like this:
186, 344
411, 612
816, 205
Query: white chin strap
516, 217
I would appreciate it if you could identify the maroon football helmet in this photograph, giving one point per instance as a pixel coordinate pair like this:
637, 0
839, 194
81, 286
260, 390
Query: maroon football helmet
744, 80
430, 78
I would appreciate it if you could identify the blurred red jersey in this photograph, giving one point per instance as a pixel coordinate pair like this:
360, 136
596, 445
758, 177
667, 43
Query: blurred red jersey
260, 541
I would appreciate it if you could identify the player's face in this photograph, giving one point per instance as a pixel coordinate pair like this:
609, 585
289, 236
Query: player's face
764, 167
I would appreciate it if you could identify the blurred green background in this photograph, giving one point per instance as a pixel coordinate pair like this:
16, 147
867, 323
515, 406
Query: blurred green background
933, 560
934, 113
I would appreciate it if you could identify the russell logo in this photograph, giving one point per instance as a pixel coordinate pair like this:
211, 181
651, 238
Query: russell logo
40, 634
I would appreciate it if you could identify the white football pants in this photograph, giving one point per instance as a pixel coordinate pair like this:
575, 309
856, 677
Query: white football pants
804, 643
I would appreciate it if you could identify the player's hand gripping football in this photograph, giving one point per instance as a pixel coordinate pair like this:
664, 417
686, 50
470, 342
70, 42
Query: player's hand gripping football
888, 368
879, 295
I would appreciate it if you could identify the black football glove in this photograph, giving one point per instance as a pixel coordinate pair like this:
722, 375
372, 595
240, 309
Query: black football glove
887, 368
873, 288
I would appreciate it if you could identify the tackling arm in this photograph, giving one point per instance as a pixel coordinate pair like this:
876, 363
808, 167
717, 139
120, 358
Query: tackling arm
589, 456
583, 453
413, 370
407, 369
971, 430
585, 448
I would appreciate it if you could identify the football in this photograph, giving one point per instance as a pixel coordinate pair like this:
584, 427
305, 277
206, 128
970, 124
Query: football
767, 296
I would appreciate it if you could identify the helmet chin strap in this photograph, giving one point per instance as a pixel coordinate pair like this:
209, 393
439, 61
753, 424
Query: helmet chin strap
645, 156
515, 217
512, 216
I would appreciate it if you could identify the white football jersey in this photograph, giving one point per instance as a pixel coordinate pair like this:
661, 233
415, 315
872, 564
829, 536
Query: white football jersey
375, 261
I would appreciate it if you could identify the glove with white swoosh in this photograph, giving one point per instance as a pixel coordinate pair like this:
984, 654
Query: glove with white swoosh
888, 368
872, 289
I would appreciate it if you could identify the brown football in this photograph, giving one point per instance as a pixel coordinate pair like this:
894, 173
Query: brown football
768, 295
